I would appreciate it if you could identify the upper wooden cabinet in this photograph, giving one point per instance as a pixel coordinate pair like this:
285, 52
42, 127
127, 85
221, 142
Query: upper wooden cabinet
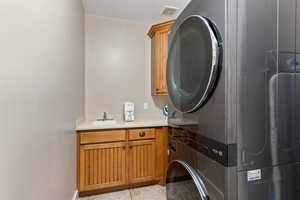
159, 54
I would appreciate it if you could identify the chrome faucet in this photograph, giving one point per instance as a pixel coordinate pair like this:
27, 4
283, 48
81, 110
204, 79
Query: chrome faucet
104, 116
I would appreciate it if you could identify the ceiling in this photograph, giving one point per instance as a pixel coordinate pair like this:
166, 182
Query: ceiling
148, 11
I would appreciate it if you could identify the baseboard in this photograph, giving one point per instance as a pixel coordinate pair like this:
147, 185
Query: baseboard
75, 196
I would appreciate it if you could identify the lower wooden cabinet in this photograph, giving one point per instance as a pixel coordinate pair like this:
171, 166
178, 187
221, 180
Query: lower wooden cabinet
102, 166
138, 157
141, 161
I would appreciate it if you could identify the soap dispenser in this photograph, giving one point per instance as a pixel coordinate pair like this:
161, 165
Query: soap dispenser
128, 111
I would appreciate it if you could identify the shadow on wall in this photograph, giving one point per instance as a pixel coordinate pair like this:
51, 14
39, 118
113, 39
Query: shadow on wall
160, 101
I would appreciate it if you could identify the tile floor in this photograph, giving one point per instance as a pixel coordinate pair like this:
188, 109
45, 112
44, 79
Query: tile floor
155, 192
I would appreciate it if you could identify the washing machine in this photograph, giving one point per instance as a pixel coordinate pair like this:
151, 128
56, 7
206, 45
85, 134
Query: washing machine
234, 101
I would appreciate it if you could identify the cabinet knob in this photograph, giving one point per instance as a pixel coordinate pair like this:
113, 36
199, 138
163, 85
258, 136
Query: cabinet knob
130, 147
142, 134
124, 147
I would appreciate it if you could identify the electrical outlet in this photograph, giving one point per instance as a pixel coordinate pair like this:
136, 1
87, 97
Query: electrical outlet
146, 106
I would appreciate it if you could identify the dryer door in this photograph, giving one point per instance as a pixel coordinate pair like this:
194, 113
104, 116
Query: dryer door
183, 183
194, 63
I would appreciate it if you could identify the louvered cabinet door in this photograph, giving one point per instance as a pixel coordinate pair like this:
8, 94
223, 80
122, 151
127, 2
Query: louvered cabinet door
162, 67
141, 161
102, 166
159, 54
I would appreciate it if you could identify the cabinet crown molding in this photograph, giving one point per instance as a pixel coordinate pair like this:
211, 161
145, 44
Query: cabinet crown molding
161, 26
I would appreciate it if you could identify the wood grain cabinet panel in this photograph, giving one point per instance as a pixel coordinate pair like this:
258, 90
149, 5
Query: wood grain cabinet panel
112, 159
102, 166
91, 137
141, 134
159, 54
161, 154
141, 161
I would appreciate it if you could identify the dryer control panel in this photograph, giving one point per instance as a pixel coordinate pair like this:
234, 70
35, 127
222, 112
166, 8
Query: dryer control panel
225, 154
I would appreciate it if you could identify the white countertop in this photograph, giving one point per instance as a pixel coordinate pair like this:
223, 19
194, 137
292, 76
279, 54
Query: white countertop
90, 125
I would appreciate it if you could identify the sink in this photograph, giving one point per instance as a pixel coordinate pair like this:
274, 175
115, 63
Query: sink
105, 123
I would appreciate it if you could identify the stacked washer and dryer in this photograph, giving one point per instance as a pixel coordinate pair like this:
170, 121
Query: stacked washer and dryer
234, 113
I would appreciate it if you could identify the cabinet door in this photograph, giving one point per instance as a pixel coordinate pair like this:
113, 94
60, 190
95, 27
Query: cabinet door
287, 28
102, 166
298, 29
160, 45
141, 161
161, 154
287, 36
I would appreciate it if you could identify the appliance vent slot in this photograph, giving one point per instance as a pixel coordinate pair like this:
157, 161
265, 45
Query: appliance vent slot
169, 11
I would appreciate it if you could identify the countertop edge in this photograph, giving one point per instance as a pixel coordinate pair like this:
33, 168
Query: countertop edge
89, 126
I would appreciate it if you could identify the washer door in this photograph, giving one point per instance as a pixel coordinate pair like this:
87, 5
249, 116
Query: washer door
183, 183
193, 63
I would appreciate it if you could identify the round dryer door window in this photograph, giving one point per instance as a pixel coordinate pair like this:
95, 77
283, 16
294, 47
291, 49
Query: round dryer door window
183, 183
193, 63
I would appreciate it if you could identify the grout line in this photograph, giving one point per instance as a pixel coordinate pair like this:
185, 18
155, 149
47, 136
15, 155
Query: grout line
130, 194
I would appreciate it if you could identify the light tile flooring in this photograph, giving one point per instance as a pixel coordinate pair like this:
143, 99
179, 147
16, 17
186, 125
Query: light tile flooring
155, 192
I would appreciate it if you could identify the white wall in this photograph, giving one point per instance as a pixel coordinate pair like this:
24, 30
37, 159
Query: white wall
41, 87
118, 59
